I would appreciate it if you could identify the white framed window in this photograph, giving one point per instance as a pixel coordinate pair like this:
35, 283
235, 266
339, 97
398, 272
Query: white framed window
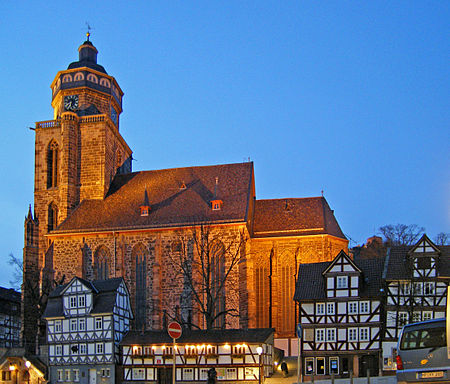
364, 334
98, 323
203, 374
331, 334
60, 375
188, 374
364, 307
138, 373
73, 301
82, 324
58, 350
416, 317
76, 375
57, 325
320, 335
81, 301
320, 308
404, 287
418, 289
73, 324
402, 319
231, 374
427, 315
353, 334
342, 282
67, 375
330, 308
83, 349
353, 307
428, 288
99, 348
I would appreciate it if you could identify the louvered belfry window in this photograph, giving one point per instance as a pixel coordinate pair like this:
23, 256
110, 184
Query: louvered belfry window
52, 165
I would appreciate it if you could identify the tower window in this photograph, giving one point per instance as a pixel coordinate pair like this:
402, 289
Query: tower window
79, 76
52, 165
52, 217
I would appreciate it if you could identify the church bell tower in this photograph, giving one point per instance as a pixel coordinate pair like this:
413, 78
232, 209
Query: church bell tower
77, 154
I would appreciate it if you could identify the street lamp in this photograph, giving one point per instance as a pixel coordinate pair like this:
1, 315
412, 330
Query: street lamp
259, 350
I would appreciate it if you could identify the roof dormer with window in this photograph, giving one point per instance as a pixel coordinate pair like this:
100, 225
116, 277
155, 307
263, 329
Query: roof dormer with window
424, 257
77, 298
342, 277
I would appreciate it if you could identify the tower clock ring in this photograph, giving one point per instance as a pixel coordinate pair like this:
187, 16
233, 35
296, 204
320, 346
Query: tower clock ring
71, 102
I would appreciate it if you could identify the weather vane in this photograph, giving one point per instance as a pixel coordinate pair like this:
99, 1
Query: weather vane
88, 33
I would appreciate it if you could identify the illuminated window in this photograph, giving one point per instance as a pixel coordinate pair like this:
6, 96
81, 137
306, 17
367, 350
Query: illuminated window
188, 374
231, 374
138, 373
427, 315
76, 375
60, 375
67, 375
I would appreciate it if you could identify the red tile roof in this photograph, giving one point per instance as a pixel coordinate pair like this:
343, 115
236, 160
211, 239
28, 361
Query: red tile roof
170, 203
306, 216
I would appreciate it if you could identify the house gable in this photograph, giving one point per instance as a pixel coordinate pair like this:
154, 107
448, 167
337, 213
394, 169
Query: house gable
77, 298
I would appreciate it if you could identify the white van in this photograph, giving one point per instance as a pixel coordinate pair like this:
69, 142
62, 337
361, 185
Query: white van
422, 353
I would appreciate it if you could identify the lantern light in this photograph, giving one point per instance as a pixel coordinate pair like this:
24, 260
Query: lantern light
27, 364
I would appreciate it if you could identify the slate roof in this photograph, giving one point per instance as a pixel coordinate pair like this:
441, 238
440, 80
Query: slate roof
170, 205
304, 216
311, 283
10, 294
104, 297
252, 335
398, 262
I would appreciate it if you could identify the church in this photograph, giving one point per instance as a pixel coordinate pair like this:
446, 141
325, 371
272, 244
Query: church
95, 218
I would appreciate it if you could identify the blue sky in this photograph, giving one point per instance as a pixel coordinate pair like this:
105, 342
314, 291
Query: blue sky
347, 97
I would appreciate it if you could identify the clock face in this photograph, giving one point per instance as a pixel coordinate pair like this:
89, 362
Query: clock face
113, 115
71, 102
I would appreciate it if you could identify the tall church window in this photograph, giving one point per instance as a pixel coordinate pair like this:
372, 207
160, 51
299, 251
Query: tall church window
262, 297
29, 233
217, 267
52, 165
52, 217
101, 262
287, 288
139, 255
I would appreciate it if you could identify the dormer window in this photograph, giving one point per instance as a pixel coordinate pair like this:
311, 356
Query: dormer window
73, 302
342, 282
145, 210
216, 205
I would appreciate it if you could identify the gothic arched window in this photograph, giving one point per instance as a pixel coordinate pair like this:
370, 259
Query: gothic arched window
101, 262
52, 165
52, 217
139, 256
217, 266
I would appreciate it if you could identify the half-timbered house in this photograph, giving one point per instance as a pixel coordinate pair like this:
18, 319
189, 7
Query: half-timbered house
416, 279
238, 356
85, 323
10, 322
340, 313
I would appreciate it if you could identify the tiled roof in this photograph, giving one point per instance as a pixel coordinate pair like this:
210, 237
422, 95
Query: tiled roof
104, 297
170, 204
398, 263
253, 335
311, 283
305, 216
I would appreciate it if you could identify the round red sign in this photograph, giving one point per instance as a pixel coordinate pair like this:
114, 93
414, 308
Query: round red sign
174, 330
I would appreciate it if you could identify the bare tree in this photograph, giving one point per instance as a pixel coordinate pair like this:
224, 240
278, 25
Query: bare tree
206, 265
401, 234
17, 276
442, 239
